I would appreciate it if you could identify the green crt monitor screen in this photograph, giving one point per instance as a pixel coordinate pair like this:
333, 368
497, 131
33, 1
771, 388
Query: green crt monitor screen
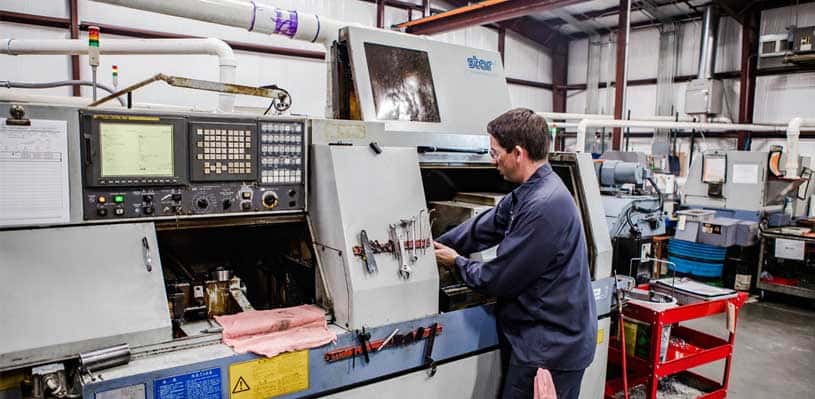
133, 149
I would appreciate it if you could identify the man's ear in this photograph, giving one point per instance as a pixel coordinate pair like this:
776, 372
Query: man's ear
519, 151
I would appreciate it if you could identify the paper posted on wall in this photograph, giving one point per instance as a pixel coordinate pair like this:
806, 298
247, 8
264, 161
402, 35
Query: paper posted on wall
34, 173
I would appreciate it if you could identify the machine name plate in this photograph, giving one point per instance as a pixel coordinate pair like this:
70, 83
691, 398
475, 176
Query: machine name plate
202, 384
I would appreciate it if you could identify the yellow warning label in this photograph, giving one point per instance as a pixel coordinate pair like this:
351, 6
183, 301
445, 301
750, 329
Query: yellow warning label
266, 378
601, 335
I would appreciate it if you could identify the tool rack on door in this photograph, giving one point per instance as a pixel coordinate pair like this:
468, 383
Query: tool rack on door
692, 349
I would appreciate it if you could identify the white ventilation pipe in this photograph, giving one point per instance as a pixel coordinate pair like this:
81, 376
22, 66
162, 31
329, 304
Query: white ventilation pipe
562, 125
250, 15
585, 124
793, 135
210, 46
573, 116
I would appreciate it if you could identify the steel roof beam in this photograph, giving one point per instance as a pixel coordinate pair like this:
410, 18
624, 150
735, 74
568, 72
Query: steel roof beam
482, 13
527, 27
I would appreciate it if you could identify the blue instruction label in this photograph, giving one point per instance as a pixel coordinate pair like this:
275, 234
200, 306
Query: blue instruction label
203, 384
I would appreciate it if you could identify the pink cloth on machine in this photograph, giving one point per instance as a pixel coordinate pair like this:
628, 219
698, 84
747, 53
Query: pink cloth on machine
544, 386
271, 332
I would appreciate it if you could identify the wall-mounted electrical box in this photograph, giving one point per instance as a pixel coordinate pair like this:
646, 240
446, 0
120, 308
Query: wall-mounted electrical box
703, 96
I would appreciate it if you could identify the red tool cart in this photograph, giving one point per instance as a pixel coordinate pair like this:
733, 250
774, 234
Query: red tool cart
687, 348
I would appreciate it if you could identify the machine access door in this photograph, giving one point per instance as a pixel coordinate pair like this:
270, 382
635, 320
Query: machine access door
74, 289
373, 201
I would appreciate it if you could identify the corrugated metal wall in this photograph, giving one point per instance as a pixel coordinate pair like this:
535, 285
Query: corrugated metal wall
778, 98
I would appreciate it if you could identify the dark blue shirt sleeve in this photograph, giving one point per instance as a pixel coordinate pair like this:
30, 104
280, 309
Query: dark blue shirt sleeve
481, 232
524, 255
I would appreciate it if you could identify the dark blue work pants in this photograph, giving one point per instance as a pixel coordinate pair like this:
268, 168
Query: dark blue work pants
518, 381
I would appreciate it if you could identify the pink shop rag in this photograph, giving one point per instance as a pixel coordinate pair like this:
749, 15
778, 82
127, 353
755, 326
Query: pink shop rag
271, 332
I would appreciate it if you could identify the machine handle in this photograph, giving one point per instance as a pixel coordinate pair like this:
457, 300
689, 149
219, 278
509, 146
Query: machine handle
88, 158
426, 148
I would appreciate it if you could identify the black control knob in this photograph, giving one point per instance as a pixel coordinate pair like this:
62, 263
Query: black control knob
119, 211
292, 193
246, 205
147, 198
148, 210
101, 211
177, 197
269, 199
202, 203
227, 203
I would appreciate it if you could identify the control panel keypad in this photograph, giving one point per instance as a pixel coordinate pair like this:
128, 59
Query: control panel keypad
282, 151
223, 152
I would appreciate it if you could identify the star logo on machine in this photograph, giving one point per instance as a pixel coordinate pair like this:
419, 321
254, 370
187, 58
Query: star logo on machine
479, 64
241, 386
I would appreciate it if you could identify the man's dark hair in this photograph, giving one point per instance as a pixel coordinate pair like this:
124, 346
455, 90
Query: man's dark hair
524, 128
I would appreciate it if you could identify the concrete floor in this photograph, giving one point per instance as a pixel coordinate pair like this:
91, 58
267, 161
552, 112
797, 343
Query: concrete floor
775, 350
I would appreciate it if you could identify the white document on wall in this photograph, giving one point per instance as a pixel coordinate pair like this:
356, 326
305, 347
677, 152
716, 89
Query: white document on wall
745, 173
34, 173
789, 249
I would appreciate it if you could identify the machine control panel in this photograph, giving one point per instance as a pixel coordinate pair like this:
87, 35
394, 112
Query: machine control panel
153, 166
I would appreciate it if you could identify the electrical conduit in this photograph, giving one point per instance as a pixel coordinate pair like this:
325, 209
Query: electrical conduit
48, 85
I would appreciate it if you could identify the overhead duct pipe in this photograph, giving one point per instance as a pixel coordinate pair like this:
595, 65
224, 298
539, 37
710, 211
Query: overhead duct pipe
707, 48
793, 135
249, 15
227, 64
703, 95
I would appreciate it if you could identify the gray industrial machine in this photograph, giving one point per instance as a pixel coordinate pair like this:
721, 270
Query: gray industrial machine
731, 194
176, 217
171, 219
630, 210
748, 185
633, 207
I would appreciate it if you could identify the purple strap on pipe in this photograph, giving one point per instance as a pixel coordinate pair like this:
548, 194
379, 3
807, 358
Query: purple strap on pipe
285, 26
254, 14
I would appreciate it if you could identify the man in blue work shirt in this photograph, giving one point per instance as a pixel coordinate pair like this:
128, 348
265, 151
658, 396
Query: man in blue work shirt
545, 310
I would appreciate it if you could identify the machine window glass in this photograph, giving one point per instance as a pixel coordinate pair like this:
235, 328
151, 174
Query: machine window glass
402, 84
714, 169
130, 149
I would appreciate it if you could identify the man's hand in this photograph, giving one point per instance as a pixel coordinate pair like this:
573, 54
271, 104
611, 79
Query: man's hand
445, 255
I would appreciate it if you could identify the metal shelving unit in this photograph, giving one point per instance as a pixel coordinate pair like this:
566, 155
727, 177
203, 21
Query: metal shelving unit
791, 274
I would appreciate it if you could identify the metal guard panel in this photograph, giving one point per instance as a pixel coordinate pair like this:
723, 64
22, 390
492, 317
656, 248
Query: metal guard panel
465, 332
75, 289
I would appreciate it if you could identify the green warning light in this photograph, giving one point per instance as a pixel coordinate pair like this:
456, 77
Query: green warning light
118, 199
